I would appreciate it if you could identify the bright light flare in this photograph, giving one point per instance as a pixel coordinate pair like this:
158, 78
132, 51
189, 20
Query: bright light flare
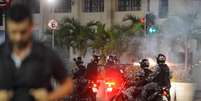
94, 89
51, 1
109, 89
136, 64
110, 84
94, 85
152, 62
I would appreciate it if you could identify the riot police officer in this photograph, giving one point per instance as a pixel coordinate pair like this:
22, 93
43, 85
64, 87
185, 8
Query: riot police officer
144, 64
162, 74
81, 68
92, 68
110, 60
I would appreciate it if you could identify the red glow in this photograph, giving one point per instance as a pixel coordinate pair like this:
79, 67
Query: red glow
94, 85
109, 89
165, 93
142, 20
95, 90
113, 77
110, 84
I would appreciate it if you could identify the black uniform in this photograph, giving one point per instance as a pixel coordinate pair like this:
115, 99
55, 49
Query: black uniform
162, 75
81, 72
35, 71
92, 71
147, 72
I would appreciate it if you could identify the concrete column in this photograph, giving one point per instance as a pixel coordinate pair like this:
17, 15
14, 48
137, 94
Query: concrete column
76, 8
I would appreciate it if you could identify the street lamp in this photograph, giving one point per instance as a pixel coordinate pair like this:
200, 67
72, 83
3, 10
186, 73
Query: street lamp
52, 4
51, 1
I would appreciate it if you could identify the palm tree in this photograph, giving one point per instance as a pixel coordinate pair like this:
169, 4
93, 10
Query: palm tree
72, 34
115, 40
78, 36
127, 35
108, 41
136, 24
93, 35
100, 38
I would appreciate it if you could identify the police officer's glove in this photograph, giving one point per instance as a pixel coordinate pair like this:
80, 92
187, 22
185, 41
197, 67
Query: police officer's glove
5, 95
40, 94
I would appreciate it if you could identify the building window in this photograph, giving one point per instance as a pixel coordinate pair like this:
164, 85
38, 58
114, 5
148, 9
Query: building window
1, 18
34, 5
93, 6
63, 6
163, 8
129, 5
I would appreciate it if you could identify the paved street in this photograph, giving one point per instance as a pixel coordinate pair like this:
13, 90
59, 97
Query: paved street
197, 96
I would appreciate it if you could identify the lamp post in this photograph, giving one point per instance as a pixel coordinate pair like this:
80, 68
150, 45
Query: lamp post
51, 3
147, 11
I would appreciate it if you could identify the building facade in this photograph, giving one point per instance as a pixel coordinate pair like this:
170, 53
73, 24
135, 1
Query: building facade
109, 12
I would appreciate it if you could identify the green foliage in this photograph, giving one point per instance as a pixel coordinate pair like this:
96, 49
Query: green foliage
93, 35
136, 24
73, 34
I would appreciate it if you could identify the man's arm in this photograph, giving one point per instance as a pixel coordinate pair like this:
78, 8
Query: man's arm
5, 95
60, 74
65, 83
62, 90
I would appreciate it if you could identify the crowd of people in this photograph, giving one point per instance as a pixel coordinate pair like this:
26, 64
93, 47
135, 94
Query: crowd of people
149, 80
